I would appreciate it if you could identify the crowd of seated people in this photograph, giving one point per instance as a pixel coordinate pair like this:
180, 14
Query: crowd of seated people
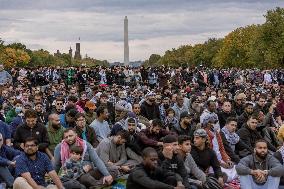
130, 131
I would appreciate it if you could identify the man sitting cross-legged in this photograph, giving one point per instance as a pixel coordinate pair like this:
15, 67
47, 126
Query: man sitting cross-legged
96, 167
113, 153
32, 166
260, 170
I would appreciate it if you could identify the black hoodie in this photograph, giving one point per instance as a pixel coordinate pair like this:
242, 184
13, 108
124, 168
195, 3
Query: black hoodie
175, 165
141, 178
39, 132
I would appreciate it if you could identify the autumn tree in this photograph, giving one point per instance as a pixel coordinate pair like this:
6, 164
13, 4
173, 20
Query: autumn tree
14, 57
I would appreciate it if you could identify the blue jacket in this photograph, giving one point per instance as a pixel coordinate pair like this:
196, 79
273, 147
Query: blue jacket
5, 130
7, 154
63, 121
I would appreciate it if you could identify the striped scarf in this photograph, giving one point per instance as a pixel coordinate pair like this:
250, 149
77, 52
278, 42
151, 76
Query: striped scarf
224, 155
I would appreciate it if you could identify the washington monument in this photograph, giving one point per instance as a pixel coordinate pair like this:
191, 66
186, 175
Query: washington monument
126, 45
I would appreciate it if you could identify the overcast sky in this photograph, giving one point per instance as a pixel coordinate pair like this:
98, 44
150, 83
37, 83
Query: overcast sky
154, 25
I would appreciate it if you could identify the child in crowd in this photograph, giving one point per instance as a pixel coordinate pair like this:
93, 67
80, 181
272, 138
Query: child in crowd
75, 173
171, 120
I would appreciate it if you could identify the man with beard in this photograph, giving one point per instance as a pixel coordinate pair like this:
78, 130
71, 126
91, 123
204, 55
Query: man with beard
152, 135
54, 131
96, 166
32, 166
148, 175
180, 106
103, 101
68, 119
149, 108
260, 170
209, 111
31, 128
100, 125
239, 101
249, 135
243, 118
140, 118
41, 114
184, 127
90, 113
261, 104
163, 108
196, 108
113, 153
84, 131
133, 150
215, 140
59, 106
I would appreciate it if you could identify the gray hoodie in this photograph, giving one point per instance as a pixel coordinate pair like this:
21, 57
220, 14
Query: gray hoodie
248, 163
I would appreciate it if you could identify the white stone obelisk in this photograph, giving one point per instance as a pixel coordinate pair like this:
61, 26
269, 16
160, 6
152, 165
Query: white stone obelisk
126, 45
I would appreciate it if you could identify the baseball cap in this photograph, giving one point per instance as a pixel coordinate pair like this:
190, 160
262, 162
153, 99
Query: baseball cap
90, 105
200, 133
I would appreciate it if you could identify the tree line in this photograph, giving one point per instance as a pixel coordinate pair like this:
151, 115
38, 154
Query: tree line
253, 46
18, 55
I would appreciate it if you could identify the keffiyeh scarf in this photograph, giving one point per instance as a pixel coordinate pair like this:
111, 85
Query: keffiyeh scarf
65, 151
232, 138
